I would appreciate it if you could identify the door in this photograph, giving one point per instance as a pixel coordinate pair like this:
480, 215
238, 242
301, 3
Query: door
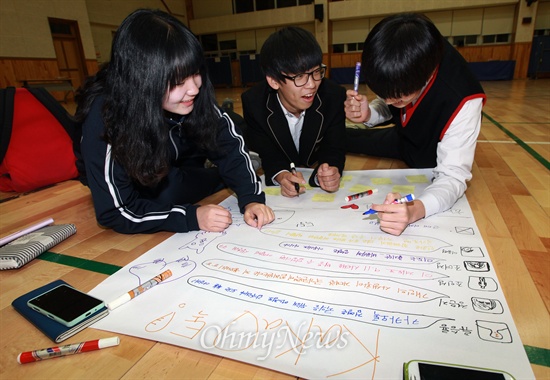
68, 50
539, 62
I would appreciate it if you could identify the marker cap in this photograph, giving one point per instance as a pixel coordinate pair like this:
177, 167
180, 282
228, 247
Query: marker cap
109, 342
25, 357
408, 198
119, 301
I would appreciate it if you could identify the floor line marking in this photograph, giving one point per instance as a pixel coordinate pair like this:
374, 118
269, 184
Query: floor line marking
529, 150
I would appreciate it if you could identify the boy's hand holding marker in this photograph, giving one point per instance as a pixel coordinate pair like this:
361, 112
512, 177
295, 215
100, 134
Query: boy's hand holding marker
357, 75
294, 173
290, 182
390, 200
356, 105
394, 213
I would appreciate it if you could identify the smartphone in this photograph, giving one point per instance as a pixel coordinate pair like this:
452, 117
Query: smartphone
65, 305
426, 370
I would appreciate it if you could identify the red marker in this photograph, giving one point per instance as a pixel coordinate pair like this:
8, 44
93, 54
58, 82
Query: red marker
69, 349
360, 195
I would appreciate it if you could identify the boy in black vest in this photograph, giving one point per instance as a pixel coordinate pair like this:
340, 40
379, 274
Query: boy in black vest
425, 88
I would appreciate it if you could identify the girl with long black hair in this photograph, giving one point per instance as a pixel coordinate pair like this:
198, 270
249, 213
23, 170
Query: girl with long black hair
149, 123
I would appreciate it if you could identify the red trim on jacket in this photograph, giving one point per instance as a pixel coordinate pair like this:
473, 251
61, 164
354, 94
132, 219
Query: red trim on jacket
457, 110
409, 110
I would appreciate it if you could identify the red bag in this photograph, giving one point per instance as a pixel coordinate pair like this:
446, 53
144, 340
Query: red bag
36, 140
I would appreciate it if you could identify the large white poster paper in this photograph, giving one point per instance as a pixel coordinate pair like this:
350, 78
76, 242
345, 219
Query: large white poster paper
323, 293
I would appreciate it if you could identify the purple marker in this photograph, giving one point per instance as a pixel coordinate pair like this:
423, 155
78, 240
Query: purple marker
405, 199
26, 231
356, 79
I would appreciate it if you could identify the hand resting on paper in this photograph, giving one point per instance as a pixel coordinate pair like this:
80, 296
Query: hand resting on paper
258, 215
215, 218
328, 177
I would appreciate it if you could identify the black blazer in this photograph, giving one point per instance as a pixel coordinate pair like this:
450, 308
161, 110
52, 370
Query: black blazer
323, 133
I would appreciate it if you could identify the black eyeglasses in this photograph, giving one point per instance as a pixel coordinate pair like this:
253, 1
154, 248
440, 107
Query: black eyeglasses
301, 79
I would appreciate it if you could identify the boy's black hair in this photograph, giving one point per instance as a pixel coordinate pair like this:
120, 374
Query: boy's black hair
400, 54
290, 50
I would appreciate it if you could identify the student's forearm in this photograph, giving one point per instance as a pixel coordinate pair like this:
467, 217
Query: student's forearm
378, 113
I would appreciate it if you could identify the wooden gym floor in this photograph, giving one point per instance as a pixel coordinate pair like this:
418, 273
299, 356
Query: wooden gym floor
509, 196
512, 158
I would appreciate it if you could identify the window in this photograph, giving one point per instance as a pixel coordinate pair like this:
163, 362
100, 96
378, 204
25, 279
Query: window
338, 48
490, 39
262, 5
243, 6
503, 38
228, 45
496, 38
348, 48
209, 42
471, 40
286, 3
464, 40
60, 28
356, 46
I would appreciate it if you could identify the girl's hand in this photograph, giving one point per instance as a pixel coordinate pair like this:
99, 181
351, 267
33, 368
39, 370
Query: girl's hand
213, 218
258, 215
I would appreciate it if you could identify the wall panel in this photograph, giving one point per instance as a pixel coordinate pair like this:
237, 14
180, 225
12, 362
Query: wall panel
498, 20
467, 22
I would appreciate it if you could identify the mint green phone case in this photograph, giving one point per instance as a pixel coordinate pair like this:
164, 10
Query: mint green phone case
65, 304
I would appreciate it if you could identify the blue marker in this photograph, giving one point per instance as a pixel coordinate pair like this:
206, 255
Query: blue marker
356, 79
405, 199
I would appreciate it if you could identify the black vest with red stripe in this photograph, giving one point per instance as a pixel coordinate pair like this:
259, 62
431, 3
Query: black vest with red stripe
422, 126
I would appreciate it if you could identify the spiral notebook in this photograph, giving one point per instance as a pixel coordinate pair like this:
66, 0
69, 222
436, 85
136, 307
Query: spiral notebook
27, 247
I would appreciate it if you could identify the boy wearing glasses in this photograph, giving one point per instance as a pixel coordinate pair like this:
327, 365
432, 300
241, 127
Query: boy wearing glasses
427, 91
295, 117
